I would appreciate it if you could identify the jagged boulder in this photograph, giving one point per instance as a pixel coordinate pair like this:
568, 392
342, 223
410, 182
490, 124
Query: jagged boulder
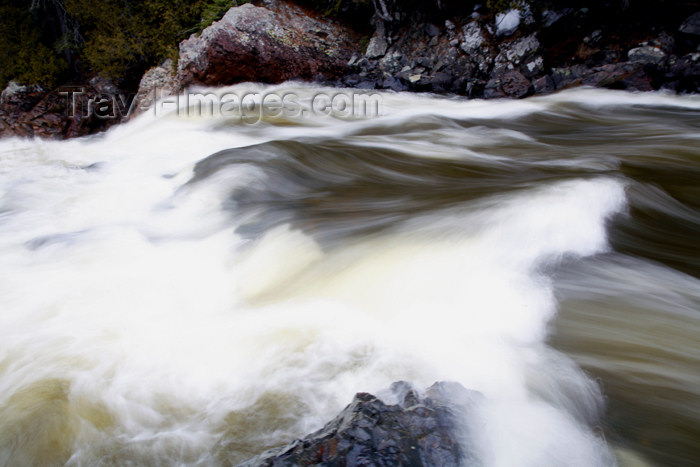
418, 431
270, 43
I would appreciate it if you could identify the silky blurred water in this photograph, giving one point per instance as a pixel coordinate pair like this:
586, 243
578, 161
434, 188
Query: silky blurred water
193, 291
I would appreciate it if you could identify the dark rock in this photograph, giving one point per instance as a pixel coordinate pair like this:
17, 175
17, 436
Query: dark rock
640, 79
493, 90
551, 17
646, 54
685, 72
29, 111
364, 64
594, 38
392, 63
441, 82
19, 97
543, 85
423, 61
267, 44
691, 25
567, 76
366, 84
514, 84
419, 82
635, 76
466, 86
665, 42
395, 84
352, 80
418, 431
432, 30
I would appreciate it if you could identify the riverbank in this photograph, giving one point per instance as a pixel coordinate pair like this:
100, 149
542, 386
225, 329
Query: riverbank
470, 51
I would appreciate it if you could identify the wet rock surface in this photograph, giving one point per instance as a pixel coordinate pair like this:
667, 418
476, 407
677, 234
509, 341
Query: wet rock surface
420, 430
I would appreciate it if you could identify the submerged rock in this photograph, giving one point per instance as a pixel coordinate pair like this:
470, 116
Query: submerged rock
418, 431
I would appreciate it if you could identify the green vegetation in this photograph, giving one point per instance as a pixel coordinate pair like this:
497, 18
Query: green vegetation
501, 5
356, 13
23, 55
51, 41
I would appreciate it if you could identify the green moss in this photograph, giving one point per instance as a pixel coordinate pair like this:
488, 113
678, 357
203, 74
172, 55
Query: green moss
214, 10
499, 6
363, 43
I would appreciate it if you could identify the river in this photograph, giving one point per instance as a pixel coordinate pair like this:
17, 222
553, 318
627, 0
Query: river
194, 289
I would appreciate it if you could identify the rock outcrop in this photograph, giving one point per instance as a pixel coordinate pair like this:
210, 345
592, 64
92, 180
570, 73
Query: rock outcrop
485, 57
156, 83
418, 431
66, 112
270, 43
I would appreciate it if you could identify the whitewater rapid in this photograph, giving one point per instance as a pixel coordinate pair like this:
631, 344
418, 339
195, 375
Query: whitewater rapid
170, 296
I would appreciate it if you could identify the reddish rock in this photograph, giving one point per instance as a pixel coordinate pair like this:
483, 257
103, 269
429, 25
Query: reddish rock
27, 111
630, 76
20, 98
514, 84
271, 44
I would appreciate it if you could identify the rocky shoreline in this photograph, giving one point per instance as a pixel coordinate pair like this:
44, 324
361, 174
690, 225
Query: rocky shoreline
475, 54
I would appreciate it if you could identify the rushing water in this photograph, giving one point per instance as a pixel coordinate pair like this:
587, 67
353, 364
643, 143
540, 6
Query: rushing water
196, 290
